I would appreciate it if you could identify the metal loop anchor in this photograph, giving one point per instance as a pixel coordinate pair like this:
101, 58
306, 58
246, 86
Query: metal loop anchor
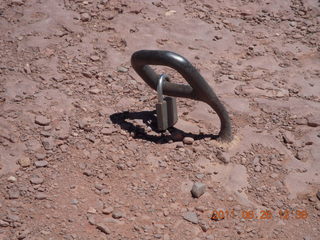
198, 88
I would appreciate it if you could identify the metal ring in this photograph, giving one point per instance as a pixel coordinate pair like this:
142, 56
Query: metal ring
197, 89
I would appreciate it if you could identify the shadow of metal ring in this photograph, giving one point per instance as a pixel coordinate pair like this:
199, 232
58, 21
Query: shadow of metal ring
198, 88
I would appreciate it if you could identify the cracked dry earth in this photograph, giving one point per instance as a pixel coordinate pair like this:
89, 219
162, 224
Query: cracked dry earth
79, 154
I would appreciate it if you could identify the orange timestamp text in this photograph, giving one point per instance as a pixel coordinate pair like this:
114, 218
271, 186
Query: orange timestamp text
284, 214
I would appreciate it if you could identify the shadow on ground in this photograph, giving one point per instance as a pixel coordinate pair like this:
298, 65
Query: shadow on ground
150, 120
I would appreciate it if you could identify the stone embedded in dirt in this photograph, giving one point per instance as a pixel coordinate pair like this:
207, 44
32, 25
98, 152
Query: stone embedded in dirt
92, 210
288, 138
313, 121
3, 223
40, 156
204, 226
198, 189
36, 180
42, 163
14, 193
117, 214
91, 219
87, 74
191, 217
104, 1
257, 168
24, 162
274, 175
169, 13
107, 131
122, 69
23, 234
94, 90
85, 17
222, 158
48, 143
103, 228
107, 210
312, 199
87, 172
41, 196
301, 121
188, 140
12, 179
95, 58
41, 120
98, 186
302, 155
200, 208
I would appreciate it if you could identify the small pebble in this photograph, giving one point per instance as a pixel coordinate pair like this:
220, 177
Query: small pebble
117, 214
107, 210
103, 228
40, 196
85, 17
12, 179
94, 90
191, 217
122, 69
3, 223
36, 180
198, 189
188, 140
95, 58
42, 163
92, 210
24, 162
41, 120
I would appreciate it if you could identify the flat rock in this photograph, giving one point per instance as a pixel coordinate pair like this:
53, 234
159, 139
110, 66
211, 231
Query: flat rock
41, 120
122, 69
41, 196
24, 162
95, 58
314, 121
94, 90
36, 180
191, 217
107, 210
3, 223
13, 194
103, 228
42, 163
117, 214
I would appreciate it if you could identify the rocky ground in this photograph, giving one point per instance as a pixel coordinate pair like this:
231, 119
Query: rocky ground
79, 154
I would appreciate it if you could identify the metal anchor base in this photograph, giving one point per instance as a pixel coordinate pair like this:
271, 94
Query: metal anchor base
197, 89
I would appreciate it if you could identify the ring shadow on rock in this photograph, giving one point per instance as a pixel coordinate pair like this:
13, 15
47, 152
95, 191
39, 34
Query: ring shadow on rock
150, 120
